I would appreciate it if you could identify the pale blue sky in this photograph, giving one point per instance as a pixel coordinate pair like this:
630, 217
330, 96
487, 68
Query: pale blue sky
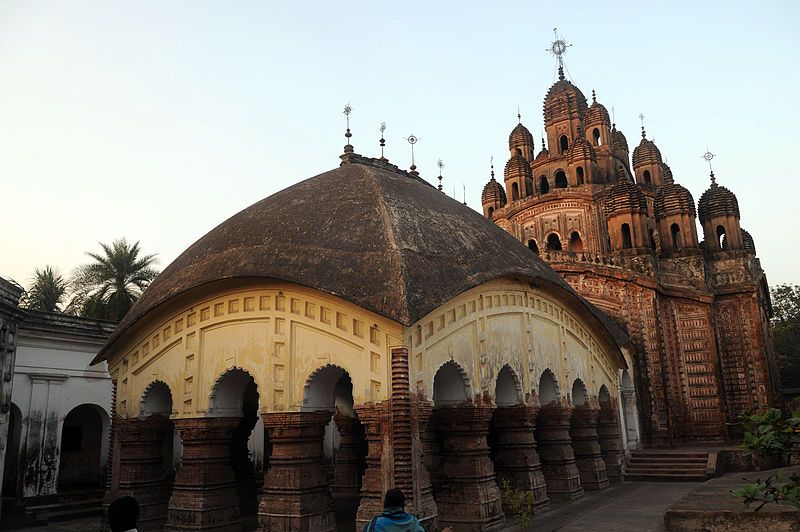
158, 120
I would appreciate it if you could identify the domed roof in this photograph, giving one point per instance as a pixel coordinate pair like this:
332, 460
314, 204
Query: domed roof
493, 192
666, 173
618, 141
581, 150
366, 232
517, 166
717, 201
542, 155
747, 242
597, 113
672, 198
562, 98
646, 153
624, 196
520, 137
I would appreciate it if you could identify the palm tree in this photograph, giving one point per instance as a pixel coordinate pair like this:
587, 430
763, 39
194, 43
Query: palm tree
47, 291
108, 287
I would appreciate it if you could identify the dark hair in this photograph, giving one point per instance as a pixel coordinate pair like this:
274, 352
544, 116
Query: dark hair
123, 514
394, 497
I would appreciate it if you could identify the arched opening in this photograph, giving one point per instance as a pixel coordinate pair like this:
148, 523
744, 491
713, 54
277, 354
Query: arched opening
491, 211
722, 238
450, 385
514, 191
578, 393
609, 435
561, 179
532, 246
11, 461
548, 388
528, 186
235, 394
647, 178
675, 231
563, 144
344, 443
579, 174
553, 242
508, 391
627, 241
544, 186
596, 136
82, 437
604, 398
575, 242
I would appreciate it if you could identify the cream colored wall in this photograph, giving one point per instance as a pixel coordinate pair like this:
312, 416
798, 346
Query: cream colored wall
508, 322
278, 332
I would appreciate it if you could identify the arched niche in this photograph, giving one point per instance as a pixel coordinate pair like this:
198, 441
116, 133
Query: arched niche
329, 387
603, 397
156, 399
548, 388
228, 393
450, 385
508, 391
579, 395
553, 242
83, 438
544, 186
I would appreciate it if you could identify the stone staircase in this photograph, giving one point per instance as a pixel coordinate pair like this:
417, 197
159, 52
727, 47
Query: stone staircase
671, 465
63, 508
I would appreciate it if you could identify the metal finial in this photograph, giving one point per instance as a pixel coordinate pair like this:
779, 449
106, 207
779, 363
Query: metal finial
544, 147
464, 191
383, 141
708, 156
594, 97
411, 139
558, 48
519, 115
613, 119
641, 118
347, 111
440, 164
491, 166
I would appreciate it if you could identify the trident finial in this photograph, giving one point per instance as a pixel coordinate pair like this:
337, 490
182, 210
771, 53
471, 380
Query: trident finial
383, 141
558, 48
708, 156
491, 166
411, 139
440, 164
641, 118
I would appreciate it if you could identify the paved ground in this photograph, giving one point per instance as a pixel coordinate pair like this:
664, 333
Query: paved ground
630, 506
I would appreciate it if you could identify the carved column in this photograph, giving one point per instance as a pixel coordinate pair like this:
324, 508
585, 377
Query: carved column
204, 492
296, 492
610, 439
374, 417
243, 468
345, 474
555, 452
140, 468
516, 459
467, 495
585, 443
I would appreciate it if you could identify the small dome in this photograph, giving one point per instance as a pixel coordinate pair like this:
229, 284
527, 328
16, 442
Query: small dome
581, 150
717, 201
563, 98
666, 172
597, 114
624, 196
646, 153
747, 242
673, 199
493, 192
618, 141
520, 137
542, 156
517, 166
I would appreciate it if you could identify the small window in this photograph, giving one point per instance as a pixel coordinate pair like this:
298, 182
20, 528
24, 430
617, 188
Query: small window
544, 186
561, 179
579, 174
675, 231
491, 211
575, 242
528, 186
627, 243
514, 191
596, 136
647, 178
532, 246
722, 238
553, 242
563, 143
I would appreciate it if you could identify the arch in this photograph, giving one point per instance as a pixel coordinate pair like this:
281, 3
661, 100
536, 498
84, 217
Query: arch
604, 397
528, 186
533, 246
579, 174
548, 388
596, 136
544, 186
647, 178
627, 241
491, 211
450, 385
156, 399
553, 242
625, 381
11, 461
575, 242
83, 434
722, 238
327, 388
675, 232
514, 191
579, 395
508, 390
228, 393
561, 179
563, 143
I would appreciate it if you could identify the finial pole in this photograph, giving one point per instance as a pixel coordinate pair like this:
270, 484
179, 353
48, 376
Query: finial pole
641, 118
594, 97
519, 116
708, 156
613, 119
383, 141
558, 48
440, 164
464, 191
491, 166
347, 111
411, 139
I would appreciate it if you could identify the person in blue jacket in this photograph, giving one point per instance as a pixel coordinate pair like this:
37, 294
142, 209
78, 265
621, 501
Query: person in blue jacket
394, 518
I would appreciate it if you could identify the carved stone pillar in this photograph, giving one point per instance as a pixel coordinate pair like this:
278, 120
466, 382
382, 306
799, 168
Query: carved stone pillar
243, 468
516, 459
467, 496
610, 439
204, 492
585, 443
296, 492
374, 418
140, 468
555, 452
345, 475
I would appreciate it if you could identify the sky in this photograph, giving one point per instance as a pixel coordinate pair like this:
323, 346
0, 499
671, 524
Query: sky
156, 121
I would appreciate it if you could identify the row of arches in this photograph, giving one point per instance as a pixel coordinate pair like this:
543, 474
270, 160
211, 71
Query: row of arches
553, 243
559, 181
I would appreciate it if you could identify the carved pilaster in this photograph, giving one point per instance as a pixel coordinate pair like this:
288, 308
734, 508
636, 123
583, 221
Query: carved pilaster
378, 476
586, 446
555, 452
243, 468
610, 439
345, 476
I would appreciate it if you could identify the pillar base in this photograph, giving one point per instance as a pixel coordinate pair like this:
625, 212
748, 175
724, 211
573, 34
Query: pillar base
555, 452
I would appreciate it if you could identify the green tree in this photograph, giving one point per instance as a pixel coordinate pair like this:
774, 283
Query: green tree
107, 287
47, 291
786, 331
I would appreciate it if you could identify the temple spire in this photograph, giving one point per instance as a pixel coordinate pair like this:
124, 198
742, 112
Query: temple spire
707, 156
558, 48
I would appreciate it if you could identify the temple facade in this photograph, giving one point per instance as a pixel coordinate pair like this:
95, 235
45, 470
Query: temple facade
622, 232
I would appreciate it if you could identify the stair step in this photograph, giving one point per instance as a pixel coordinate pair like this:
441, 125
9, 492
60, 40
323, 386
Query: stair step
674, 477
658, 454
74, 513
56, 505
668, 467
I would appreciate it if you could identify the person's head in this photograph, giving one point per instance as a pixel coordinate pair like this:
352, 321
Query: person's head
123, 514
394, 498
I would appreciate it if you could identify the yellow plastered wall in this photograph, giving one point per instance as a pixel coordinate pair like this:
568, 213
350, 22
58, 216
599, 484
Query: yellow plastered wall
279, 333
507, 322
